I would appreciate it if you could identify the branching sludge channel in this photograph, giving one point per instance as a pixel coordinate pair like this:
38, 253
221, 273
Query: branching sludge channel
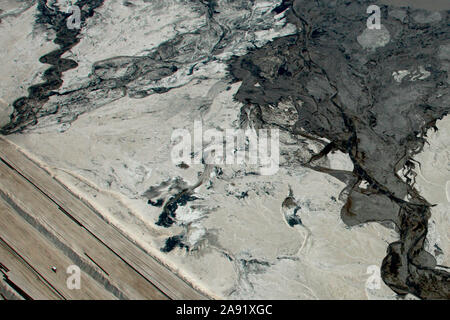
345, 85
346, 93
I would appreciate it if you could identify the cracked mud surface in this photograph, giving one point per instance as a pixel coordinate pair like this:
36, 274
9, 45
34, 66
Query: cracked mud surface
323, 81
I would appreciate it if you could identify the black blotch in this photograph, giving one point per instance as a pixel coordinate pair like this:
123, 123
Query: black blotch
166, 218
157, 203
173, 242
